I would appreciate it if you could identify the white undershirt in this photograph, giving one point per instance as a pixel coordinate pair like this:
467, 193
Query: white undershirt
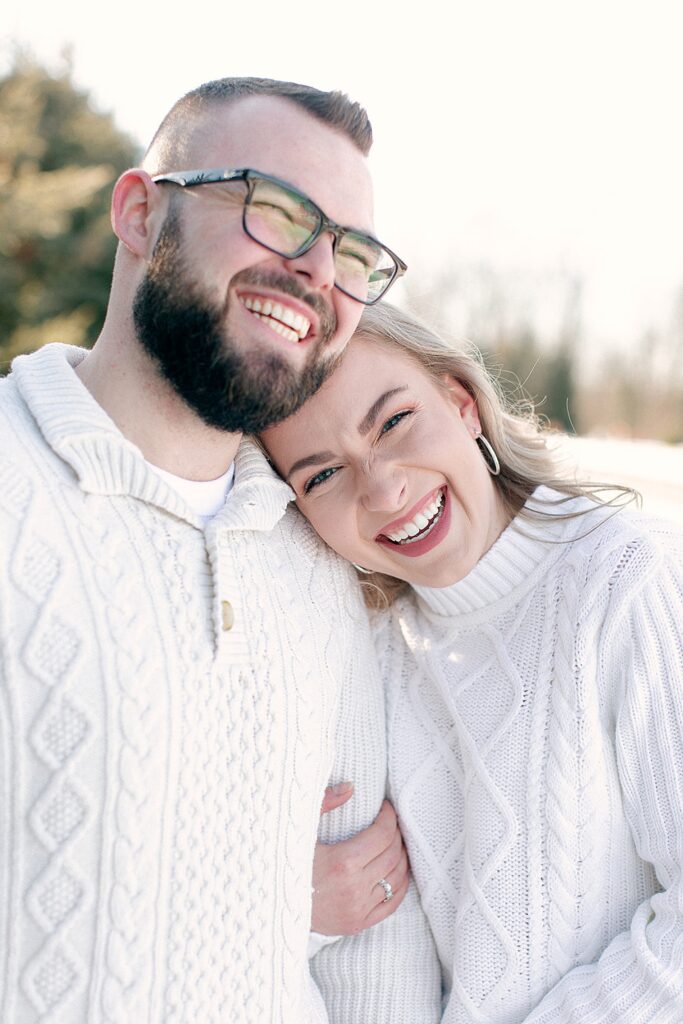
205, 497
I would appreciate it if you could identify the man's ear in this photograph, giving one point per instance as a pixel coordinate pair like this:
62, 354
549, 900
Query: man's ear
464, 402
137, 212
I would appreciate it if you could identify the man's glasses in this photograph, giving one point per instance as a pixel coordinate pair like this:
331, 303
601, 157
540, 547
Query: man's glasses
289, 223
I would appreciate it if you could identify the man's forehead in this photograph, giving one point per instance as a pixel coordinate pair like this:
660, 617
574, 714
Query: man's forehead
254, 118
277, 136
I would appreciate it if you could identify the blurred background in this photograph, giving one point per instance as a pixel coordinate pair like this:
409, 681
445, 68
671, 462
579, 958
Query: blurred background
528, 165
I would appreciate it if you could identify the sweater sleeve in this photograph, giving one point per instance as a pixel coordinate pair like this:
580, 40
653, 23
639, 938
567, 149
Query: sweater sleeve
388, 974
639, 977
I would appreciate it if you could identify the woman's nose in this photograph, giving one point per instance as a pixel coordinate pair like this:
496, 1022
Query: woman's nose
384, 488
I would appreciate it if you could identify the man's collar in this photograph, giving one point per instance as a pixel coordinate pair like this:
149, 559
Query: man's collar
259, 497
81, 433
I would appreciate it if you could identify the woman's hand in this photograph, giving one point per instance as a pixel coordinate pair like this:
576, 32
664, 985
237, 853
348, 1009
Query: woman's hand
347, 895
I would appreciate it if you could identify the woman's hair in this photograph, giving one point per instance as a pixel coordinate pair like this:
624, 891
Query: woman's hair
515, 432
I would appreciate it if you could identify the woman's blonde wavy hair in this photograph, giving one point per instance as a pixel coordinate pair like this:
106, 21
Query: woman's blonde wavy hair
519, 438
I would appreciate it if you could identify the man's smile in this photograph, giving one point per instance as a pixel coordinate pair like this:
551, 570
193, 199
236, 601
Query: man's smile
282, 317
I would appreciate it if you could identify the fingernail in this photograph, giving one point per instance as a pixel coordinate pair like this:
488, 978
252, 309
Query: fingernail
340, 788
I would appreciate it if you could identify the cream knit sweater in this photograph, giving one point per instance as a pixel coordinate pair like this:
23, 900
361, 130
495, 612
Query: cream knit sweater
536, 760
169, 699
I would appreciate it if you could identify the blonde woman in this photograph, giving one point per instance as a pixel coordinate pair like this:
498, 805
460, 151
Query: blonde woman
531, 636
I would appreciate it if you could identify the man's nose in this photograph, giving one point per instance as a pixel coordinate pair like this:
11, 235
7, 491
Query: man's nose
317, 264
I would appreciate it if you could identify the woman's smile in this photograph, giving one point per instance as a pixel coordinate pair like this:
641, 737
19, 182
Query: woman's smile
418, 533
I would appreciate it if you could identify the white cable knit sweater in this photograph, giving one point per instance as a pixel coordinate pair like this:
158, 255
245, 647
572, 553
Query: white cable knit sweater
536, 760
168, 705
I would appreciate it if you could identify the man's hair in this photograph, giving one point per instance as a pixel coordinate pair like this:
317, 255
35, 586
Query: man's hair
173, 138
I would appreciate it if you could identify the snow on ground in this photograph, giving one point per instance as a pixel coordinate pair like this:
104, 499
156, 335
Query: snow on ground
653, 468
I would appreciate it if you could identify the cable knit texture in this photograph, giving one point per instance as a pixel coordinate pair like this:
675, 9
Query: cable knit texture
160, 774
536, 760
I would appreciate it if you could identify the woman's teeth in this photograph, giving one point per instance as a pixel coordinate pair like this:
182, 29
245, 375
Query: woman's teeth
281, 319
421, 524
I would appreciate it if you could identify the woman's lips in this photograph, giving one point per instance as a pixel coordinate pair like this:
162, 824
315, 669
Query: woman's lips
420, 547
407, 519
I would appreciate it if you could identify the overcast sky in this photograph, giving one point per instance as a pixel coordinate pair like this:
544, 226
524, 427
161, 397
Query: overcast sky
536, 136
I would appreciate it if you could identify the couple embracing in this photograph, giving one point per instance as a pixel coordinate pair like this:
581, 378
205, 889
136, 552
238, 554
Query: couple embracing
189, 657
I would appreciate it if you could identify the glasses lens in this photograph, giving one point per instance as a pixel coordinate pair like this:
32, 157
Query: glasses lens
283, 221
364, 268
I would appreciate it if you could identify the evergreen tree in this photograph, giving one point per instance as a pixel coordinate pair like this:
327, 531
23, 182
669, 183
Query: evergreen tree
59, 158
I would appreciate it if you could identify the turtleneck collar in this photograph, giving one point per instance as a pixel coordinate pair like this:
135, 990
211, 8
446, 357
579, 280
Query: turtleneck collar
523, 551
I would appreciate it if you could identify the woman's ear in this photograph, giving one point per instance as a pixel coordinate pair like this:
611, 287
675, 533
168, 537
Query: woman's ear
464, 402
137, 212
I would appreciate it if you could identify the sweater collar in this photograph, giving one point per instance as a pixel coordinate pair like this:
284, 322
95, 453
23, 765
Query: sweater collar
525, 548
81, 433
259, 497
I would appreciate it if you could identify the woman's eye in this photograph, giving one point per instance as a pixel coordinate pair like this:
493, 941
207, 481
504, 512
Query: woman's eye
319, 478
394, 420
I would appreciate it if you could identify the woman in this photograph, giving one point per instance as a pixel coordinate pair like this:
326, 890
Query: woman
532, 644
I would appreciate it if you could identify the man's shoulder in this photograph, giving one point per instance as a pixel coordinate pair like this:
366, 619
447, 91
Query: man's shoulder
330, 579
30, 471
10, 399
18, 428
15, 412
299, 532
43, 378
22, 443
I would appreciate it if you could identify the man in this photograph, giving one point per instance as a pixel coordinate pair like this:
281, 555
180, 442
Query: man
177, 650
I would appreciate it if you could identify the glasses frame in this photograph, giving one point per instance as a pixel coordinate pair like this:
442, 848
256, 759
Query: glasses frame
190, 179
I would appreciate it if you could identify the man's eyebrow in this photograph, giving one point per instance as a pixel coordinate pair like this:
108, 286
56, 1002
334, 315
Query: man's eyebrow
309, 460
373, 412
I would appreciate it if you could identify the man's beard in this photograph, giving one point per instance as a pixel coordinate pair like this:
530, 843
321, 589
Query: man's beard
232, 389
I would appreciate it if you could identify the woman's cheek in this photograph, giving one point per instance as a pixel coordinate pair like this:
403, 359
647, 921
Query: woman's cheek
324, 524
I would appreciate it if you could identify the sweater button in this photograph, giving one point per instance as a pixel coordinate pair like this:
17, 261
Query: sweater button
227, 615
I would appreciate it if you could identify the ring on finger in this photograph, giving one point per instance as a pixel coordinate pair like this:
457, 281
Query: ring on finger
388, 891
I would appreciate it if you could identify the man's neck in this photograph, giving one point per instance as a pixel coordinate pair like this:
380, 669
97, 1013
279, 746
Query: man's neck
124, 382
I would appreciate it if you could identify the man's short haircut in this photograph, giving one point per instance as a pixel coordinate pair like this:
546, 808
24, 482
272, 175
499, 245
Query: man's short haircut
173, 139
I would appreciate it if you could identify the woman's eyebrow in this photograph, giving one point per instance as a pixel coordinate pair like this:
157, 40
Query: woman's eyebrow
368, 421
364, 427
308, 460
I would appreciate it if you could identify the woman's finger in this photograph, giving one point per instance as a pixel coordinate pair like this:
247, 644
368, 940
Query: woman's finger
335, 796
391, 882
384, 910
387, 860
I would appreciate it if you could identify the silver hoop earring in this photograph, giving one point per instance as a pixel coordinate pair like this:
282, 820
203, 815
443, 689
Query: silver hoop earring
359, 568
490, 457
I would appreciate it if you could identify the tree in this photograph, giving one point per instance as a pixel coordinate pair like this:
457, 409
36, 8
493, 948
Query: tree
59, 158
497, 313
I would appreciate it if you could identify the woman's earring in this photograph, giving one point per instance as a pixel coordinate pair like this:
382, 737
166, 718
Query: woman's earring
359, 568
490, 457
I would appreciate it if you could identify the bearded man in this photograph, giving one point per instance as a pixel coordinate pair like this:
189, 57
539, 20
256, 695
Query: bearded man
182, 661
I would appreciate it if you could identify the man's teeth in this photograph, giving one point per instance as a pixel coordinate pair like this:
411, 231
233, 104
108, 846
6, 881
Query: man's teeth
422, 523
292, 326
